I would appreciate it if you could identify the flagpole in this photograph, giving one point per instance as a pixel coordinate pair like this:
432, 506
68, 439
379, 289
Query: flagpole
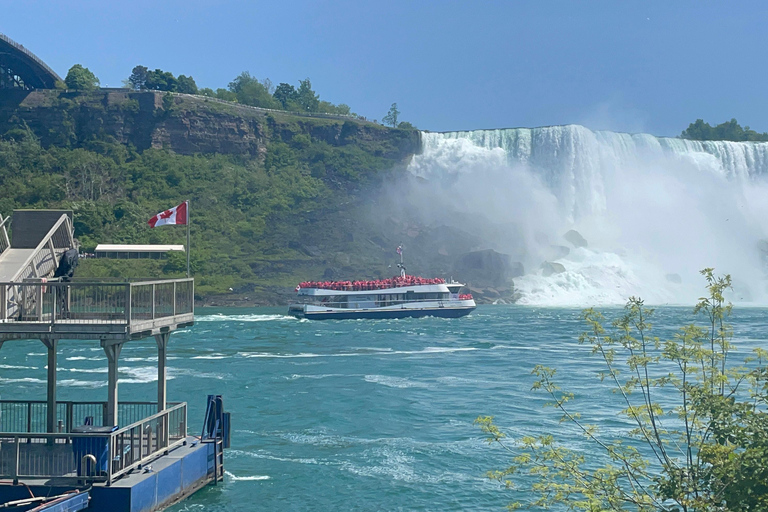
188, 223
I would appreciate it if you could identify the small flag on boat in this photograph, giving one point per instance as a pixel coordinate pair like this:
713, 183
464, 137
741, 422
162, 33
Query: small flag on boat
298, 287
399, 249
176, 215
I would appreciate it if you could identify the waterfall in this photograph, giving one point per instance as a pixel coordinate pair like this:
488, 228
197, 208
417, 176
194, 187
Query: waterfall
654, 210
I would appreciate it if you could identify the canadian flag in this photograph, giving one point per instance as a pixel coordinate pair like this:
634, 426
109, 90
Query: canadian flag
176, 215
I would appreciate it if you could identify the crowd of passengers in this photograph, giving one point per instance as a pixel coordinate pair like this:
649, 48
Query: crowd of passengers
376, 284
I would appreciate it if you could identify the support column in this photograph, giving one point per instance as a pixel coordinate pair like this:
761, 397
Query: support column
113, 353
162, 340
50, 423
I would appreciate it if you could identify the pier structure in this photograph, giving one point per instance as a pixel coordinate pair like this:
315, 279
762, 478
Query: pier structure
104, 445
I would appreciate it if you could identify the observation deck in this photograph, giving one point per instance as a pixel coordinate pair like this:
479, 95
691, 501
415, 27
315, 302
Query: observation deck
53, 444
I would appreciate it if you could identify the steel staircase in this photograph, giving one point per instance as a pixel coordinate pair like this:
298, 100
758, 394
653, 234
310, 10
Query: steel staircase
34, 252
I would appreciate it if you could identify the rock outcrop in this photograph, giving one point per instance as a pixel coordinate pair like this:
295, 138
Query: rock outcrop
185, 124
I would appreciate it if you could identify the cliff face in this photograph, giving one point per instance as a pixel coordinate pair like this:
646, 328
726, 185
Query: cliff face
182, 123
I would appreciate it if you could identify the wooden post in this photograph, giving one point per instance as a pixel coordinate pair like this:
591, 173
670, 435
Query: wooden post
113, 354
52, 345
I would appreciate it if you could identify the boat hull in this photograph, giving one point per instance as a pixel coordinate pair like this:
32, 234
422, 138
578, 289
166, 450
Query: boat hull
354, 314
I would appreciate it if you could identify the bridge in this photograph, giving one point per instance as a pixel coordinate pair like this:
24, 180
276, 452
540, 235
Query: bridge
22, 69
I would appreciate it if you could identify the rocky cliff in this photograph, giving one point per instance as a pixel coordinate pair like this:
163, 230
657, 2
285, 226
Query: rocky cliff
182, 123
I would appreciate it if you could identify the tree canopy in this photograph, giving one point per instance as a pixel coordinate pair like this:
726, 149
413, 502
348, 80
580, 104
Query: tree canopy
391, 117
142, 78
729, 130
80, 78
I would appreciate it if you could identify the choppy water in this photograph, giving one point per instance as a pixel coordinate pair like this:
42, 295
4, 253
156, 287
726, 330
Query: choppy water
356, 415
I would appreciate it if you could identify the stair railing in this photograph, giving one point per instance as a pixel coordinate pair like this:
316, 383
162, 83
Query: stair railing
5, 242
44, 260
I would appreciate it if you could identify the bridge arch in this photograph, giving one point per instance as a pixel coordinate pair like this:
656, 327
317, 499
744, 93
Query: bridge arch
22, 69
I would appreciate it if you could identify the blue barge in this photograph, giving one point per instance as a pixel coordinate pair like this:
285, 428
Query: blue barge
97, 456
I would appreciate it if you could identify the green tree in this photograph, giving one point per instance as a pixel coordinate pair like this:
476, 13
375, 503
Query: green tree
286, 94
138, 78
186, 84
729, 130
81, 79
250, 91
159, 80
708, 452
306, 97
392, 115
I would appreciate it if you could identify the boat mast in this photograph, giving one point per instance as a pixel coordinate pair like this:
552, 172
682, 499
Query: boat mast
401, 265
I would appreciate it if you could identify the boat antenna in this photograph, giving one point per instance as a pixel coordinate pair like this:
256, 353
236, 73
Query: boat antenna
401, 265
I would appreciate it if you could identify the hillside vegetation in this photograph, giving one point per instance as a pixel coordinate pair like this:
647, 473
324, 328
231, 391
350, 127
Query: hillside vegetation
273, 196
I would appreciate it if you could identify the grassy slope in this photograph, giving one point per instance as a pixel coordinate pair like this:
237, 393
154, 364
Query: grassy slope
262, 220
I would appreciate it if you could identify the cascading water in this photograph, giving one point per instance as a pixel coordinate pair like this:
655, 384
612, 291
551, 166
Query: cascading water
653, 210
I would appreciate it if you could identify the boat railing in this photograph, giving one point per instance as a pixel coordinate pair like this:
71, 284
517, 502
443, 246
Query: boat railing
99, 455
363, 304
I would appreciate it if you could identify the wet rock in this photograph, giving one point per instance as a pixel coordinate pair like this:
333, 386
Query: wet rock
575, 238
549, 268
486, 269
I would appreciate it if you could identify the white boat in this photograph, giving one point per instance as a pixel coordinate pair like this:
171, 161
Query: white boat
399, 297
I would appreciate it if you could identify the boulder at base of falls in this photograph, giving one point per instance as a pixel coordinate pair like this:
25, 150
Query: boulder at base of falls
486, 269
575, 238
549, 268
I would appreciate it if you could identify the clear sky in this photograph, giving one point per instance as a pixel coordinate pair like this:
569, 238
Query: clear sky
651, 66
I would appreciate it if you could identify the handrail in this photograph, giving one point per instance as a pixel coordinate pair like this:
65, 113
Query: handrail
82, 302
57, 455
45, 241
376, 303
5, 242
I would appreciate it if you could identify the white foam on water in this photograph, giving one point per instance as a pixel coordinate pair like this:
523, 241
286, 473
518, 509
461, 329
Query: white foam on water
243, 318
395, 382
426, 351
15, 367
82, 358
212, 357
141, 375
236, 478
75, 383
85, 370
315, 377
22, 379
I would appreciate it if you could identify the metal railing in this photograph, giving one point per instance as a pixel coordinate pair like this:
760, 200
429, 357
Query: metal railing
102, 456
145, 440
45, 258
94, 303
363, 304
30, 416
5, 242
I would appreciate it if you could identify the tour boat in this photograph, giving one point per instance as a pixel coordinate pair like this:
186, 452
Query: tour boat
398, 297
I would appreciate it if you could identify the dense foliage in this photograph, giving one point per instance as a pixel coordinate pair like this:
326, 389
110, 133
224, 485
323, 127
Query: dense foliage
81, 79
697, 440
729, 130
158, 80
252, 217
245, 89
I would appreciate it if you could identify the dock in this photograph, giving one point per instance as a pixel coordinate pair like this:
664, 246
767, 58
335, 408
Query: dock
97, 456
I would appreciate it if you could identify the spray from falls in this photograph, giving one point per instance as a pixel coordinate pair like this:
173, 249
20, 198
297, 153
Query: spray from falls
653, 211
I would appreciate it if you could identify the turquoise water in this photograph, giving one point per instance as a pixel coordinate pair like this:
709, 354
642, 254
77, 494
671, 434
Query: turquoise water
357, 415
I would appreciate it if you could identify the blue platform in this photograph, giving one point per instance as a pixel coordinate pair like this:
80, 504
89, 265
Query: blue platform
161, 483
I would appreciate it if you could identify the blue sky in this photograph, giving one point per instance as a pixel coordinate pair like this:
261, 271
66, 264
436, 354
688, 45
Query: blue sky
651, 66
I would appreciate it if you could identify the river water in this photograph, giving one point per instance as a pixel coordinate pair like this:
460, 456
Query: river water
359, 415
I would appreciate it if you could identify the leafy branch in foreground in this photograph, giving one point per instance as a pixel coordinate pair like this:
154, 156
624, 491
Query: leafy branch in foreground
698, 439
